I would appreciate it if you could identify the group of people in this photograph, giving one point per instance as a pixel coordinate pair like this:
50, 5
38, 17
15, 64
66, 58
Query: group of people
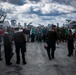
53, 37
19, 38
20, 45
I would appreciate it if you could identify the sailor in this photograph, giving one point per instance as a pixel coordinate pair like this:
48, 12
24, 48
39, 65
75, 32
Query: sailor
52, 38
19, 40
7, 48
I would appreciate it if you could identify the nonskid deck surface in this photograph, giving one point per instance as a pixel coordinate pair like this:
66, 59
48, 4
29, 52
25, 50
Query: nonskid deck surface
38, 62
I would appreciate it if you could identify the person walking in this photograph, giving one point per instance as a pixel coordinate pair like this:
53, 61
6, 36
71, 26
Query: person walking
51, 38
70, 43
7, 48
19, 40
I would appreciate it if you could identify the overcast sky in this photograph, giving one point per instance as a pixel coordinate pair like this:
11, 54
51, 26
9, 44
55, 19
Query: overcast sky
40, 11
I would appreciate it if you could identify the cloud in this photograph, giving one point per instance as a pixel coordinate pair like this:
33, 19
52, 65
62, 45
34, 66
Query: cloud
53, 9
17, 2
22, 2
42, 11
66, 2
35, 1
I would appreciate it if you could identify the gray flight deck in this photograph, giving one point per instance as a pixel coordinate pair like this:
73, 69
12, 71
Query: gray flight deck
38, 62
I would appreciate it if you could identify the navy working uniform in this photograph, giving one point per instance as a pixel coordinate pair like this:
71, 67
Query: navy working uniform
20, 42
51, 42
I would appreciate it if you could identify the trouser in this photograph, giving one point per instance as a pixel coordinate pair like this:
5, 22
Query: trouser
52, 52
7, 60
32, 39
8, 57
44, 38
70, 51
70, 48
18, 53
8, 54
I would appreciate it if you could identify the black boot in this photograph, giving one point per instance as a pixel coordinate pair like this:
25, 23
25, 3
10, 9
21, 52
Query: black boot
24, 62
8, 63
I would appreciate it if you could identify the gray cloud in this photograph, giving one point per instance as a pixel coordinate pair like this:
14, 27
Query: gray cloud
35, 0
52, 13
21, 2
67, 2
48, 18
18, 2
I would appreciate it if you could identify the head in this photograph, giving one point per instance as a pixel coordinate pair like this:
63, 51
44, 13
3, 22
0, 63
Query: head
53, 27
